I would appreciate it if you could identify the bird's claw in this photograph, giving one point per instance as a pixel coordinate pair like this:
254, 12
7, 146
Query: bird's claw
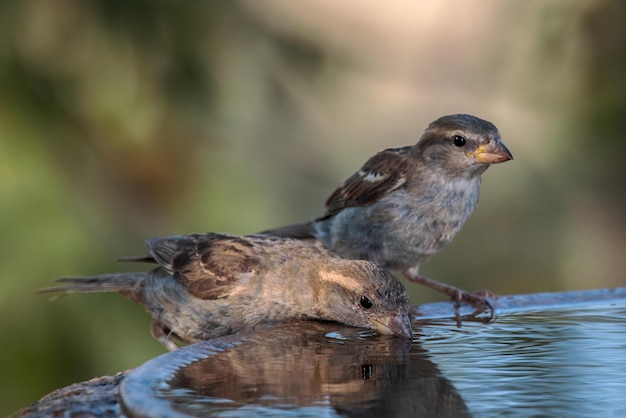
479, 300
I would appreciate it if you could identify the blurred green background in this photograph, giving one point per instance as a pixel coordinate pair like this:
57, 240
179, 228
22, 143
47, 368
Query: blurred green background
124, 120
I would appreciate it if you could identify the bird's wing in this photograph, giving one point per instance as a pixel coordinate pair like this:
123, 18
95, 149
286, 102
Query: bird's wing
209, 265
384, 172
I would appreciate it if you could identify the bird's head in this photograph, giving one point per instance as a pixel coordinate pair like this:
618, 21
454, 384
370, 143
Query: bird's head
462, 145
361, 294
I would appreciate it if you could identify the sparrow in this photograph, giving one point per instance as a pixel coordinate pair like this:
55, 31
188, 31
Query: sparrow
407, 203
209, 285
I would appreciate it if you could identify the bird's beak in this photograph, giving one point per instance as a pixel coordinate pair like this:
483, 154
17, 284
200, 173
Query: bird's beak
399, 324
492, 153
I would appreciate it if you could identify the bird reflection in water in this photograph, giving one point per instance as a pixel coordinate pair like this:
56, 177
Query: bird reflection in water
315, 367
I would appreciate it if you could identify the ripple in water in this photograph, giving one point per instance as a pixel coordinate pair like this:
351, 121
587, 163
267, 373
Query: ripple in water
566, 362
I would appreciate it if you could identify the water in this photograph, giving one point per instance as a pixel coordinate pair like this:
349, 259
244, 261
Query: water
559, 360
561, 363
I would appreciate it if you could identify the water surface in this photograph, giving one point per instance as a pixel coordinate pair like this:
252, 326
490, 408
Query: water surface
564, 362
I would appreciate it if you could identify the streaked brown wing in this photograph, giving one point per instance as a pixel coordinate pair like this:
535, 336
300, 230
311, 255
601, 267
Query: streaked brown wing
381, 174
209, 265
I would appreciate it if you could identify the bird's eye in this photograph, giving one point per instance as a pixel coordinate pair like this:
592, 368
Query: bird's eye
366, 303
459, 141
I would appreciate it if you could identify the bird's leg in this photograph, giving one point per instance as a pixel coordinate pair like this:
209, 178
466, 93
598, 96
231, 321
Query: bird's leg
162, 335
477, 299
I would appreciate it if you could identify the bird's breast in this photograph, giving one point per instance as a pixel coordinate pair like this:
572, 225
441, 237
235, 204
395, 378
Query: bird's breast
406, 227
443, 208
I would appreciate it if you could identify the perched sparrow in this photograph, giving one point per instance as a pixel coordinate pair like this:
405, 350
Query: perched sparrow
208, 285
407, 203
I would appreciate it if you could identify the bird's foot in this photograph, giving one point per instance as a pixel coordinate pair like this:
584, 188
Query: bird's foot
163, 335
479, 300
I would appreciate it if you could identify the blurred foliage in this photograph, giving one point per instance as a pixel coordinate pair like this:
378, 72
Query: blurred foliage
123, 120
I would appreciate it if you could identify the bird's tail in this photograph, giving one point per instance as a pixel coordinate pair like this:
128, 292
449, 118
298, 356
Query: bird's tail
299, 231
129, 285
